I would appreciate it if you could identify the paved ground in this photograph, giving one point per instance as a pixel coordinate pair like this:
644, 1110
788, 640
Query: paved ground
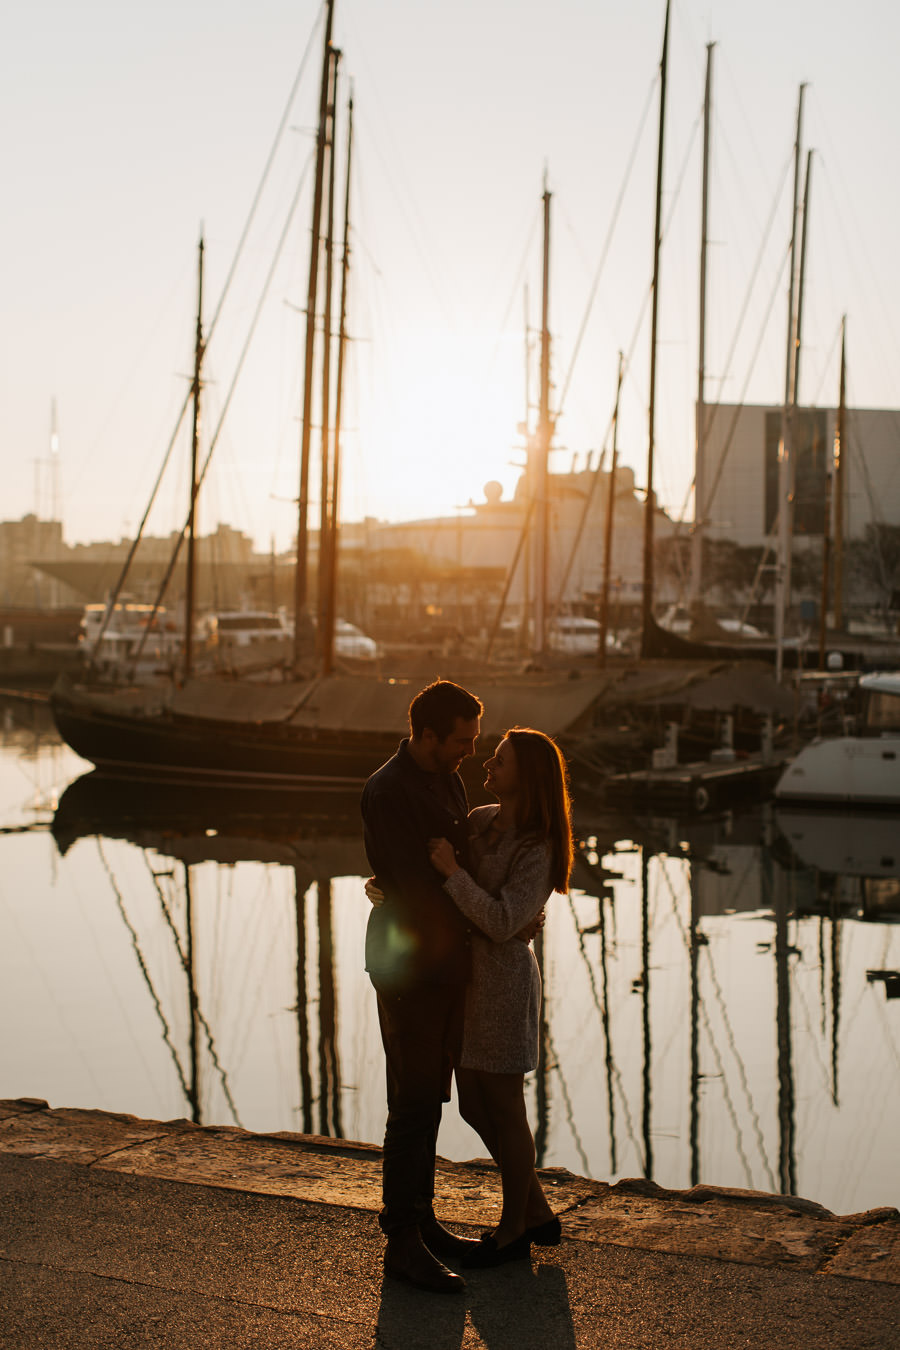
94, 1253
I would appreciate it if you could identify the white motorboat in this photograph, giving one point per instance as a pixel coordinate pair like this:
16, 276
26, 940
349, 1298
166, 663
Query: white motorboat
130, 642
862, 768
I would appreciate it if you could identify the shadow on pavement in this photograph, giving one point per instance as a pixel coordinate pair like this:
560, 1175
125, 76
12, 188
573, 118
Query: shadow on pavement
516, 1307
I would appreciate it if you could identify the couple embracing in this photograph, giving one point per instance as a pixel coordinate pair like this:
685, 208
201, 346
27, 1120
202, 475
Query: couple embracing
457, 897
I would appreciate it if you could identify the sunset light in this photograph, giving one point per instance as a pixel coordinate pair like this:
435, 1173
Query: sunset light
452, 146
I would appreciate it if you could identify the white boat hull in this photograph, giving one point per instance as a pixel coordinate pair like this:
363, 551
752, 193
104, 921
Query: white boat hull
859, 769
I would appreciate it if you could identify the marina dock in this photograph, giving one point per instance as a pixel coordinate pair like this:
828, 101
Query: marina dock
704, 785
122, 1232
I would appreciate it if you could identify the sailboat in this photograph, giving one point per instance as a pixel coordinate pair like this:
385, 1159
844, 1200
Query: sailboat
315, 726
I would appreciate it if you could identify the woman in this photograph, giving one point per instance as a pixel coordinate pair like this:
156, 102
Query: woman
522, 852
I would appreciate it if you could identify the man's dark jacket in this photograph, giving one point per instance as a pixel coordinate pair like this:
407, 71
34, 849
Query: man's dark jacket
418, 935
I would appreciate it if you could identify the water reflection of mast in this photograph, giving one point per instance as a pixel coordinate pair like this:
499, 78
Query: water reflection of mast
193, 1007
786, 1156
329, 1063
189, 1086
302, 1005
695, 1027
542, 1126
604, 892
198, 1021
645, 1008
142, 964
835, 994
607, 1031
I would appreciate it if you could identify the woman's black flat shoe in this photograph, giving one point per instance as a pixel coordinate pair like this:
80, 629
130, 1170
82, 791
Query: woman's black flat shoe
488, 1254
547, 1234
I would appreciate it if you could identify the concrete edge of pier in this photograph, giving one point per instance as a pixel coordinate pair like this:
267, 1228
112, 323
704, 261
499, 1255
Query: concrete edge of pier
747, 1227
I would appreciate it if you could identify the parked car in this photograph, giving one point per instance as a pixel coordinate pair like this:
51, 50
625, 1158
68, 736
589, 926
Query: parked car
352, 641
245, 627
578, 635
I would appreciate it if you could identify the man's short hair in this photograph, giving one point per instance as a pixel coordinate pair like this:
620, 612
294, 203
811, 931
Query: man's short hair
439, 705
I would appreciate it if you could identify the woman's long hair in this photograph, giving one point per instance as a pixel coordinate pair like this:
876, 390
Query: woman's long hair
544, 807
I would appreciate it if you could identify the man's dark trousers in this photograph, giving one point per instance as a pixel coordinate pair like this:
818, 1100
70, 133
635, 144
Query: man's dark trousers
420, 1029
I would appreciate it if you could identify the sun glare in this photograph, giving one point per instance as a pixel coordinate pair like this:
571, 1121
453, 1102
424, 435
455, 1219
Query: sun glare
431, 446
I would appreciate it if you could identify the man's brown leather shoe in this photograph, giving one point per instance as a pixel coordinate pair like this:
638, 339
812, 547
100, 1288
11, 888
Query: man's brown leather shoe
408, 1259
442, 1242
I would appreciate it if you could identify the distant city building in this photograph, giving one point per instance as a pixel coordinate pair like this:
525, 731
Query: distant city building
21, 542
230, 573
445, 573
742, 471
466, 560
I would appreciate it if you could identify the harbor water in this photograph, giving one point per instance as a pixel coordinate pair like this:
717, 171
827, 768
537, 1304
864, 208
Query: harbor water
721, 996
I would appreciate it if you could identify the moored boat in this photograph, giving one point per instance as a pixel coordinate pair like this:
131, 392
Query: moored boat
861, 768
333, 730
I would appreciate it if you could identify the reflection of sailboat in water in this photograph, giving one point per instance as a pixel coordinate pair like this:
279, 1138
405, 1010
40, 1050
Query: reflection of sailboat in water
860, 848
317, 840
188, 1078
723, 875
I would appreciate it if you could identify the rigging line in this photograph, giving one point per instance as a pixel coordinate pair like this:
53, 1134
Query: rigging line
626, 364
223, 413
117, 590
409, 210
751, 284
852, 254
570, 1111
701, 509
536, 219
266, 958
856, 449
607, 243
609, 1055
742, 1074
730, 1107
182, 956
880, 1005
135, 942
726, 1091
739, 406
845, 201
229, 904
51, 991
849, 1015
807, 1017
869, 992
265, 174
827, 362
729, 1031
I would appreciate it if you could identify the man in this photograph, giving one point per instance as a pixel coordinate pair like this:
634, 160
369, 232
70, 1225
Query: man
417, 956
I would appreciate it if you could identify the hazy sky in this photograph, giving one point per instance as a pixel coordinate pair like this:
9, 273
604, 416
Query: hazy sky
127, 126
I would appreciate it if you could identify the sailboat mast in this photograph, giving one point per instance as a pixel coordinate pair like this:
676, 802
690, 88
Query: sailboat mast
838, 485
334, 505
647, 597
826, 569
795, 378
325, 480
783, 551
700, 503
608, 533
541, 482
195, 438
301, 580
